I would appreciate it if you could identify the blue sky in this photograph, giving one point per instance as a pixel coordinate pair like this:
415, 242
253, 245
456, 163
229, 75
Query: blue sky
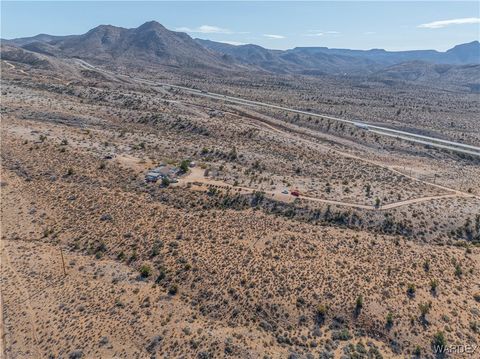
280, 25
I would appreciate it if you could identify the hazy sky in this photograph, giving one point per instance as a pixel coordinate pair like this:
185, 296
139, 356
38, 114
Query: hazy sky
280, 25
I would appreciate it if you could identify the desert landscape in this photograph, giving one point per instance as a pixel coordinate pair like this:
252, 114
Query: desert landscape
149, 210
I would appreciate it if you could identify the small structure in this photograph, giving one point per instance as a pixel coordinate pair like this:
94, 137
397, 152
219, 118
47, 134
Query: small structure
153, 175
162, 172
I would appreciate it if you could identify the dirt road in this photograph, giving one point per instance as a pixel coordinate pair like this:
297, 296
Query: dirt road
197, 178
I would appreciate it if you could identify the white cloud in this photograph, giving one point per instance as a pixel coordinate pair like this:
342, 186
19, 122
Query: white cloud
317, 33
272, 36
205, 29
444, 23
369, 33
236, 43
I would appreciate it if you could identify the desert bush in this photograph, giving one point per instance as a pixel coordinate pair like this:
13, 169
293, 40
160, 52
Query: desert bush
424, 309
145, 271
439, 342
426, 265
165, 182
359, 302
458, 270
321, 313
343, 334
173, 289
389, 319
411, 290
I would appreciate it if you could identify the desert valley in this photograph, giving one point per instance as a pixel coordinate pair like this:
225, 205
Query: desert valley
170, 197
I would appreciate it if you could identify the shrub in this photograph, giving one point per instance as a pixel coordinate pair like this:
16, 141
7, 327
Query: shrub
458, 270
165, 182
424, 309
476, 296
411, 290
389, 319
359, 303
439, 342
184, 165
173, 289
433, 285
426, 265
156, 248
368, 189
161, 275
121, 256
475, 327
145, 271
343, 334
321, 312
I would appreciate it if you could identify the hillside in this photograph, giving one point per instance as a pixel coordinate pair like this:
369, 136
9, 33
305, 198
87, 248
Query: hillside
151, 44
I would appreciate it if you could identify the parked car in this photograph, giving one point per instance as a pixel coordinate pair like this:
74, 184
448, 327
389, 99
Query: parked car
295, 193
285, 191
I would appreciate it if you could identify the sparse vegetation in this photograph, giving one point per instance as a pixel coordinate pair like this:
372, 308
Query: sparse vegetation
226, 261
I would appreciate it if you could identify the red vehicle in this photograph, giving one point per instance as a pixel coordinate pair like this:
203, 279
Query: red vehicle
295, 193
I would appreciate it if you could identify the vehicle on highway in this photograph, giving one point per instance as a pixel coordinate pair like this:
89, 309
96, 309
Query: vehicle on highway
363, 126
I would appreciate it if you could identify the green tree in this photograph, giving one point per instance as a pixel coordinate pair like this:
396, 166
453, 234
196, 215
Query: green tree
165, 182
184, 165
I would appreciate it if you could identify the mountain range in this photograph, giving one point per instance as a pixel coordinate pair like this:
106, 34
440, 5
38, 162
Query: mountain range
151, 44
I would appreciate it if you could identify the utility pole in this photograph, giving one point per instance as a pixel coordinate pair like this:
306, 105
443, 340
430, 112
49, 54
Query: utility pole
63, 262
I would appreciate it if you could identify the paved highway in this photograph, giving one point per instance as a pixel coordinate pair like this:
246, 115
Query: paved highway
384, 131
